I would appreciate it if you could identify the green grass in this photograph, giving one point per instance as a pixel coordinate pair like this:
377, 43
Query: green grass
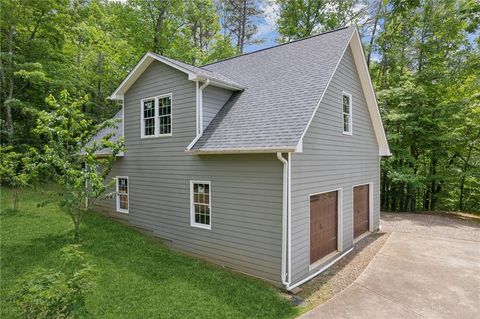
136, 277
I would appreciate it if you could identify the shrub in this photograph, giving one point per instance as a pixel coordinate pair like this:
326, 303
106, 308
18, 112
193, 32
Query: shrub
59, 294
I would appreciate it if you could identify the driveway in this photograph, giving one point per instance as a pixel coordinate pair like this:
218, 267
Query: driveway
429, 267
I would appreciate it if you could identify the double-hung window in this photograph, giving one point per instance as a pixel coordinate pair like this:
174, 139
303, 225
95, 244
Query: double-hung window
149, 117
122, 194
347, 113
157, 116
200, 206
164, 115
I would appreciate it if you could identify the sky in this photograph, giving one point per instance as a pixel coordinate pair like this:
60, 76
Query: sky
266, 27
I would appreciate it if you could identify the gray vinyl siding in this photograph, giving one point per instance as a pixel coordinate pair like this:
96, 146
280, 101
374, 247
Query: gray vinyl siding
214, 98
332, 160
246, 196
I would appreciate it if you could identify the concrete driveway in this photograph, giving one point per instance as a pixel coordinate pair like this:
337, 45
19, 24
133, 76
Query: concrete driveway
429, 267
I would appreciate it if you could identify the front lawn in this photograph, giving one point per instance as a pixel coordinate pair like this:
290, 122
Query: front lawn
136, 277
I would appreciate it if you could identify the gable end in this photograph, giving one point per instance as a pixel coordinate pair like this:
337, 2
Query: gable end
366, 83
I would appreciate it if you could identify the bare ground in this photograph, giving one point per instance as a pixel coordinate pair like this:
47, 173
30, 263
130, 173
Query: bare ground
343, 273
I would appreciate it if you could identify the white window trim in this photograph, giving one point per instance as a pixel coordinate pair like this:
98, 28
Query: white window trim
192, 206
350, 117
322, 260
156, 120
117, 197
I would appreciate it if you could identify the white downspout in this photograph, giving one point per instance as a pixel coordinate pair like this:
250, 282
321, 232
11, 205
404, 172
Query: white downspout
199, 106
197, 109
200, 93
289, 219
285, 281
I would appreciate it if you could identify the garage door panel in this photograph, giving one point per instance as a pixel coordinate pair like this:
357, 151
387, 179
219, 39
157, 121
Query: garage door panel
361, 209
323, 224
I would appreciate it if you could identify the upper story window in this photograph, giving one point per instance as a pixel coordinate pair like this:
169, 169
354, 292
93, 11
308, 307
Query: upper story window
157, 116
122, 194
200, 193
347, 113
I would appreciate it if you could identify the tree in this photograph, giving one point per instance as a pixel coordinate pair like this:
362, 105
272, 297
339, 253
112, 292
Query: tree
202, 28
31, 32
239, 21
302, 18
426, 58
18, 170
82, 175
188, 31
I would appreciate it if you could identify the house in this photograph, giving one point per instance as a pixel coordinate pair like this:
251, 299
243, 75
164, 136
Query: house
267, 163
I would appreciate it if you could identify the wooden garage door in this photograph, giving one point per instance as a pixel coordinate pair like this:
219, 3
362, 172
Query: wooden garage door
361, 209
323, 225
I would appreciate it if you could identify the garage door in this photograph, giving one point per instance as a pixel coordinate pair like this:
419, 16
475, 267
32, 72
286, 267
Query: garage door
323, 225
361, 209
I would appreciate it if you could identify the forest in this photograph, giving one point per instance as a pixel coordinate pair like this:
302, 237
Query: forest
423, 55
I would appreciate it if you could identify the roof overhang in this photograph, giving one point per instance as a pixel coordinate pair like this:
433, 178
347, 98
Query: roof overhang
217, 83
369, 92
150, 57
249, 150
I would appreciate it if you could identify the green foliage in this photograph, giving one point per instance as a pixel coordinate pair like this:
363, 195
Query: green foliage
133, 274
88, 47
428, 90
50, 293
303, 18
81, 173
18, 170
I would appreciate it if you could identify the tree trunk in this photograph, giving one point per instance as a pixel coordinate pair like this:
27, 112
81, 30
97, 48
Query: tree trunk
15, 198
372, 38
76, 236
384, 188
10, 128
401, 199
242, 27
99, 96
76, 219
466, 162
157, 35
393, 201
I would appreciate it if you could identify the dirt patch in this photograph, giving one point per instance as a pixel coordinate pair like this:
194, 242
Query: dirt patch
343, 273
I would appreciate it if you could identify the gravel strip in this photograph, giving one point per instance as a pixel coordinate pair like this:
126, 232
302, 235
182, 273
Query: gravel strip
343, 273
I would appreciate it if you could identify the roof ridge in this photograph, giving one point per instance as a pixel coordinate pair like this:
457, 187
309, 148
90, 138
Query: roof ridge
275, 46
175, 61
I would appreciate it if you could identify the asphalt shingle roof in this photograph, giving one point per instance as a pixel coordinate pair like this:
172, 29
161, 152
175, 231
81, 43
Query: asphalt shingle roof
200, 72
283, 86
117, 133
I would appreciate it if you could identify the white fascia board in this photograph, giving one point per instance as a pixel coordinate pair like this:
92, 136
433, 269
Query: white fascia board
355, 44
217, 83
106, 154
242, 150
132, 77
369, 93
147, 59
